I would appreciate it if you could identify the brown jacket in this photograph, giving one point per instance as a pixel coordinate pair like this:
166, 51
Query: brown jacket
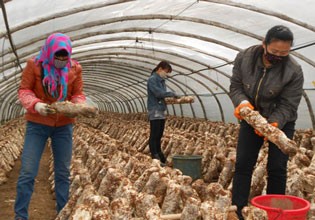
31, 91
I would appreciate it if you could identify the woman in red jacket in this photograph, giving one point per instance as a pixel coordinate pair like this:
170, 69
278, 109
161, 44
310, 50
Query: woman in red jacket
49, 77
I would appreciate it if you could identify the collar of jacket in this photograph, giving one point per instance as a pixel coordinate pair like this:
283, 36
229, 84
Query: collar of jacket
159, 77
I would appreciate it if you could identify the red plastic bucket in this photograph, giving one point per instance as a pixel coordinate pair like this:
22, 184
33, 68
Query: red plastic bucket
282, 207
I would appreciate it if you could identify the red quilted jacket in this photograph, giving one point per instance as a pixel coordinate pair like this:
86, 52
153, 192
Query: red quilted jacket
31, 91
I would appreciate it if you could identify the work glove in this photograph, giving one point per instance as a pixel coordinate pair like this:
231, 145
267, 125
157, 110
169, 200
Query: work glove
238, 108
43, 109
275, 124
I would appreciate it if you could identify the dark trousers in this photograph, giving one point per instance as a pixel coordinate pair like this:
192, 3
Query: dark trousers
247, 151
156, 133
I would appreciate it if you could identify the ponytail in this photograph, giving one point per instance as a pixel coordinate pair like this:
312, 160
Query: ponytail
163, 65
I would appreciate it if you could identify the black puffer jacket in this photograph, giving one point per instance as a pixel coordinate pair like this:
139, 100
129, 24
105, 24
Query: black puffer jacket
275, 92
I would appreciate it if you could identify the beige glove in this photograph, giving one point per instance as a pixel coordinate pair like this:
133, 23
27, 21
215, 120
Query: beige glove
43, 109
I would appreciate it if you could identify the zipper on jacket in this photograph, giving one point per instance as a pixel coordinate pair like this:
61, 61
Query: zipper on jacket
258, 87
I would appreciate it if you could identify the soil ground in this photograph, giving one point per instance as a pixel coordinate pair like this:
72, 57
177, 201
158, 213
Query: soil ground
42, 205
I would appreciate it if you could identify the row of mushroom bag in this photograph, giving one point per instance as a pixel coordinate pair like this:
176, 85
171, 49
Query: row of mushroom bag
113, 176
133, 186
130, 134
11, 144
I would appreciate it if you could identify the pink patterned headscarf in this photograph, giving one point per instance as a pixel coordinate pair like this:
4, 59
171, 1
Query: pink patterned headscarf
54, 76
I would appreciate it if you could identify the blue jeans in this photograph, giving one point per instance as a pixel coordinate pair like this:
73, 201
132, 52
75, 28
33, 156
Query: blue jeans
35, 141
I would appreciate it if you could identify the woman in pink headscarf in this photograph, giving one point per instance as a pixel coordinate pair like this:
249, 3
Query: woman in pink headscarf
51, 76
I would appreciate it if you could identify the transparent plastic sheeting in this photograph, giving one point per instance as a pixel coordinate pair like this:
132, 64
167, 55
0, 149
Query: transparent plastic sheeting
118, 43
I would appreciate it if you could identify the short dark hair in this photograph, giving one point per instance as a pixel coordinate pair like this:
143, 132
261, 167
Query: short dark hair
61, 53
164, 65
279, 32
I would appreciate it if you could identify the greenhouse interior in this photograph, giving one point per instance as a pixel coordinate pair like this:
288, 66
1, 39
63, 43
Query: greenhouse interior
157, 109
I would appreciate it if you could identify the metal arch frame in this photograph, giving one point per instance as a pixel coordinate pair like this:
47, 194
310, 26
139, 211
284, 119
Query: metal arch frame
114, 97
215, 97
122, 86
170, 43
126, 75
262, 11
99, 90
124, 99
177, 82
151, 40
147, 70
223, 113
102, 104
310, 108
178, 55
112, 73
10, 97
204, 22
170, 17
116, 107
12, 110
6, 113
67, 12
184, 34
97, 96
158, 16
294, 53
207, 88
160, 31
112, 90
148, 56
194, 72
189, 19
9, 35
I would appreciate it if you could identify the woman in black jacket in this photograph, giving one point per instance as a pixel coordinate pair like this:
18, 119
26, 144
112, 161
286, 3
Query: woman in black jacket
267, 79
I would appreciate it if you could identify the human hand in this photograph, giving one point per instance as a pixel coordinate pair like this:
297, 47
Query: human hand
275, 124
43, 109
241, 105
174, 95
258, 133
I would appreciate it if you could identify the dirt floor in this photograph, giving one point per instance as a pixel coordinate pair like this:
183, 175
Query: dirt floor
42, 204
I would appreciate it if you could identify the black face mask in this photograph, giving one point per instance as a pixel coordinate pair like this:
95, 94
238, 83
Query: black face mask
274, 59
